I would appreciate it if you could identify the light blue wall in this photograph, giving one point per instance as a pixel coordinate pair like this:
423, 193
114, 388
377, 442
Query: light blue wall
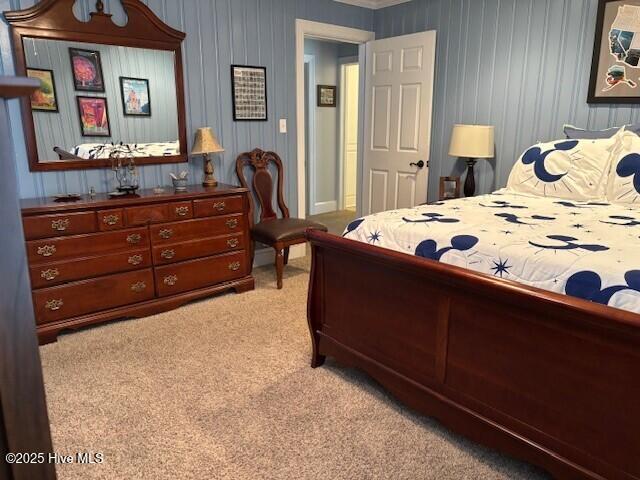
521, 65
219, 33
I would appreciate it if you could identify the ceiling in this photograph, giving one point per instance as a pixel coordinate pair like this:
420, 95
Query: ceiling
374, 4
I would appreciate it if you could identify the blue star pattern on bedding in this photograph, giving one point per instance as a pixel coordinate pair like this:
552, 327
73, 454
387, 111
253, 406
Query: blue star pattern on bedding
586, 249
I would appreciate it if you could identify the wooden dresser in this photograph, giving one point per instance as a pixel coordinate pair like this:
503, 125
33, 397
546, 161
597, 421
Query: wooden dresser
99, 259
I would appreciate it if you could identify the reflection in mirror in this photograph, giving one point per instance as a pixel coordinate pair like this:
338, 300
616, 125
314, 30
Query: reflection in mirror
95, 95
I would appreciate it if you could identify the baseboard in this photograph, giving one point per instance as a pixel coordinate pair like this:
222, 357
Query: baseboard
267, 256
324, 207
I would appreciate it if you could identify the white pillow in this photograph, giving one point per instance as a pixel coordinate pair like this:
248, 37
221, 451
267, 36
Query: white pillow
624, 178
569, 169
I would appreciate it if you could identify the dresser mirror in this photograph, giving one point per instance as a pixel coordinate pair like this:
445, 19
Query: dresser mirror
107, 91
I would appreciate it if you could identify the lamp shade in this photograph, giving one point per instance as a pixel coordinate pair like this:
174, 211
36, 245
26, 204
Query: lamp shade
472, 141
206, 142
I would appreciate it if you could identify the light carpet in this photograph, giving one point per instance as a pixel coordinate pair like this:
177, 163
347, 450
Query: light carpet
222, 389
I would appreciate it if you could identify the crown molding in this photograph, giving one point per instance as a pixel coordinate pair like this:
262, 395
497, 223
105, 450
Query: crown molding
373, 4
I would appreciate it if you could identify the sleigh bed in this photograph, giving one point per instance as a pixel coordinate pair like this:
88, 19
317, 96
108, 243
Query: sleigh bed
550, 377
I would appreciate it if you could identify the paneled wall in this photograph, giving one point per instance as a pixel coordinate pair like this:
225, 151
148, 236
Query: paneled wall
521, 65
62, 128
219, 33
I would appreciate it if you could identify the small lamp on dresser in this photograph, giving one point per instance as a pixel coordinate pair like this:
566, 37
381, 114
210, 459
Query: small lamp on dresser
472, 142
205, 144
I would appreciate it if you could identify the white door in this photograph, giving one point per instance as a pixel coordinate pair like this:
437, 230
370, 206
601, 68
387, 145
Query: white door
398, 103
350, 154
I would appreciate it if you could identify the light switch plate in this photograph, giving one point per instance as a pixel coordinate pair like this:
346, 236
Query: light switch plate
283, 125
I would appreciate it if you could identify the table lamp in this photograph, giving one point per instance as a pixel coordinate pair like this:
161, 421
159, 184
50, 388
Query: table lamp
472, 142
204, 144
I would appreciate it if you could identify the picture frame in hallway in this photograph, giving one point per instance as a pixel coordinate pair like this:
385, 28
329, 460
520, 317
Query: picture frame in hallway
615, 66
249, 93
327, 95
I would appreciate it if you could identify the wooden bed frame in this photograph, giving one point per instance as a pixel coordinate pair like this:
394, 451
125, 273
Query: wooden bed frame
546, 378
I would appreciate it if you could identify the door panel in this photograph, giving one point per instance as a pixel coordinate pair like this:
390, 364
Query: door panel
352, 84
399, 94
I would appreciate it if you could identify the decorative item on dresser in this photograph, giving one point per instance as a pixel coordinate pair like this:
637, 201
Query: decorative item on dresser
472, 142
100, 259
204, 144
279, 233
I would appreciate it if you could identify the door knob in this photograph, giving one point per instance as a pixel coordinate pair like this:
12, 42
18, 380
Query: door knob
420, 164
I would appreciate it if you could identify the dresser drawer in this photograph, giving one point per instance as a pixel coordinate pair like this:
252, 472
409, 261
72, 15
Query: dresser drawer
218, 206
110, 219
49, 274
178, 252
196, 229
78, 246
194, 274
44, 226
137, 216
80, 298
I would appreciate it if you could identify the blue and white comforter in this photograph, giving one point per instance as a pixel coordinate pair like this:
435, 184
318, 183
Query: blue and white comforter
589, 250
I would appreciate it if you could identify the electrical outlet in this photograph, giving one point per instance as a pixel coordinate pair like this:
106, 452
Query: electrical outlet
283, 125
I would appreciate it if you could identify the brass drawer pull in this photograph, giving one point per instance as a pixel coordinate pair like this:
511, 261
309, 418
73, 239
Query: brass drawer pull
170, 280
54, 305
110, 219
182, 211
60, 225
232, 223
47, 250
168, 254
138, 287
233, 242
166, 233
219, 206
235, 266
134, 238
135, 259
50, 274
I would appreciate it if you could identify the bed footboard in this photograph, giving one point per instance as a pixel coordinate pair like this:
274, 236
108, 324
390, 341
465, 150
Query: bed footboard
547, 378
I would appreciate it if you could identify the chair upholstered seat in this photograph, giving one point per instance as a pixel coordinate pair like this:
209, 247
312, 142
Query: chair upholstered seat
280, 229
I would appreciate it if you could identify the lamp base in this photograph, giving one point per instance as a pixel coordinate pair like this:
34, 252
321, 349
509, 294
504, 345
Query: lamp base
470, 182
209, 180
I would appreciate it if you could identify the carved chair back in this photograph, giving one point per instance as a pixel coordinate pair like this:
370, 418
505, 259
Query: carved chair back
262, 183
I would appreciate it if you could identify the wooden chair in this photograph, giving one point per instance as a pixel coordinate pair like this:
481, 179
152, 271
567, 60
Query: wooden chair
278, 233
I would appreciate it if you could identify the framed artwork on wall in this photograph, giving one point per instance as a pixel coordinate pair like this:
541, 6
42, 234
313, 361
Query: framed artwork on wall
326, 95
136, 100
94, 116
87, 70
615, 66
44, 99
249, 94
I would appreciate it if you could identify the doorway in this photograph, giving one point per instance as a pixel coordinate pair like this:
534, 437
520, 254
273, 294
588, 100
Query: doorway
329, 136
331, 78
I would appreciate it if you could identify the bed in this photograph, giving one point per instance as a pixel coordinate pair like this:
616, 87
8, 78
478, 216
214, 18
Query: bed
511, 317
105, 150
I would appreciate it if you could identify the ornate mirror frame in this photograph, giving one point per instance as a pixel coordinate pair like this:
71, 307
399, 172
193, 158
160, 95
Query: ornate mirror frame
54, 19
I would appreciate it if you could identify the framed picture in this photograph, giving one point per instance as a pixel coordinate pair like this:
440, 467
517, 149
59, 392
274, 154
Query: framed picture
135, 96
94, 116
326, 95
615, 66
449, 188
249, 93
87, 70
44, 99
